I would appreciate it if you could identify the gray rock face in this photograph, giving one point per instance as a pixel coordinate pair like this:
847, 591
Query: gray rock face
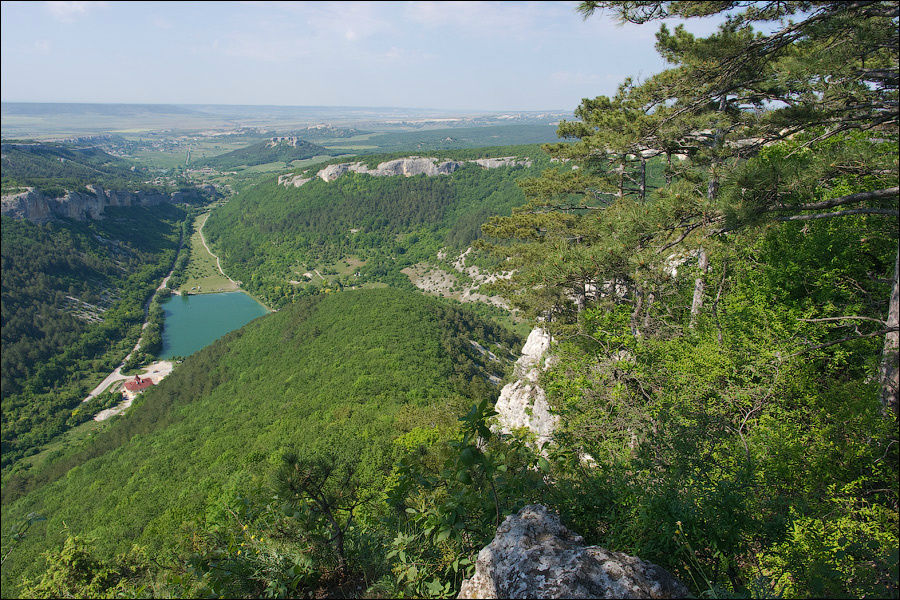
523, 403
408, 167
534, 556
412, 165
332, 172
293, 180
502, 161
36, 206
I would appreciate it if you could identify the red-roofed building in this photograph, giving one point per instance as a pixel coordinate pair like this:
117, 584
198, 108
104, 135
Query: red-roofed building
136, 386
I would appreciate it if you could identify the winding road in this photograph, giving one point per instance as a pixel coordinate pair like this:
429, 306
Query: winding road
117, 375
218, 262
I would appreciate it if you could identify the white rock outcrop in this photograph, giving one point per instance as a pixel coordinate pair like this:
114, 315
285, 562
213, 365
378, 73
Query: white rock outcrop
290, 179
501, 161
332, 172
534, 556
408, 167
37, 206
523, 403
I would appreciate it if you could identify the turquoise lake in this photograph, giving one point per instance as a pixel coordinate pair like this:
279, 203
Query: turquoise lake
194, 322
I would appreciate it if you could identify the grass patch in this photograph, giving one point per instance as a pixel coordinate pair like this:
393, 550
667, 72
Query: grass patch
202, 273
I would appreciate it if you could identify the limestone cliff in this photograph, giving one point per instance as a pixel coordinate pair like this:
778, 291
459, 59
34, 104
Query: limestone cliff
412, 165
89, 203
291, 179
523, 402
501, 161
408, 167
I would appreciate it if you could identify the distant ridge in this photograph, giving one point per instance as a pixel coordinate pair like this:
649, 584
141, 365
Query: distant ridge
77, 108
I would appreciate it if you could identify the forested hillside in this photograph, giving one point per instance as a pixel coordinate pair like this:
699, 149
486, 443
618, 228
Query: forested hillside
455, 138
728, 345
353, 381
56, 167
283, 150
73, 296
713, 252
269, 234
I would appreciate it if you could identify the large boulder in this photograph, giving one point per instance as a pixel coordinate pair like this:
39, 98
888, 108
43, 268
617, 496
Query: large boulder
534, 556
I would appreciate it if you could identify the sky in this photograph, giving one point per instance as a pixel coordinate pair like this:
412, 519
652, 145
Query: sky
494, 56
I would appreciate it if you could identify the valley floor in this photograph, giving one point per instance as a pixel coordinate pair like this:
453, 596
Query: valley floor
204, 272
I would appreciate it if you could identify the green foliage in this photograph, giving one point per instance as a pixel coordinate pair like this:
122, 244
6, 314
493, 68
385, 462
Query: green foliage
452, 497
323, 491
73, 298
76, 572
54, 168
719, 417
721, 338
467, 137
267, 231
339, 375
724, 460
265, 152
246, 551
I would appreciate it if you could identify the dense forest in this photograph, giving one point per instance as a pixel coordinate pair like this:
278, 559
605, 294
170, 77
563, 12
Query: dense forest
56, 167
348, 383
728, 344
266, 152
456, 138
269, 234
73, 298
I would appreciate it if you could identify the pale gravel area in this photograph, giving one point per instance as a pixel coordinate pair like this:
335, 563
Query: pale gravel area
156, 372
434, 280
116, 375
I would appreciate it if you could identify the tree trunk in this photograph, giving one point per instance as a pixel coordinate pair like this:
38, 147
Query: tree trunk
890, 370
621, 192
338, 544
712, 188
697, 303
650, 299
643, 178
636, 313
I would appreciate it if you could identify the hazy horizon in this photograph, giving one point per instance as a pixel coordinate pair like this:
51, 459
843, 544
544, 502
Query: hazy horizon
260, 105
447, 56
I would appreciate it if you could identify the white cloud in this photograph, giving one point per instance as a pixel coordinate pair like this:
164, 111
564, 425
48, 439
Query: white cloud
162, 23
329, 20
42, 47
503, 18
69, 11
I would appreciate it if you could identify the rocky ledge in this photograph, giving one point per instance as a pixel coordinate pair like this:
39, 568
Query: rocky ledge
523, 403
534, 556
37, 206
408, 167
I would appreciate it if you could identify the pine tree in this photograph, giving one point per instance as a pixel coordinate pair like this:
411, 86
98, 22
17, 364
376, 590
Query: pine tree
796, 125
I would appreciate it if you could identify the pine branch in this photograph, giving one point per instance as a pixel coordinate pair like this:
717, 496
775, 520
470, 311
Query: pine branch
849, 199
843, 213
849, 338
842, 319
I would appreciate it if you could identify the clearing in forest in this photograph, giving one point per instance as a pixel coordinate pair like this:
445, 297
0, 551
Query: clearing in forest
203, 274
